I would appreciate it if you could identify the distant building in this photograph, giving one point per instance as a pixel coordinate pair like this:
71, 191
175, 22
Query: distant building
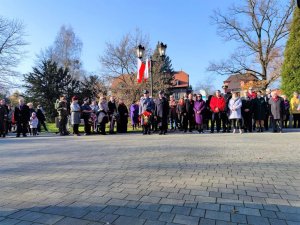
236, 82
181, 84
179, 88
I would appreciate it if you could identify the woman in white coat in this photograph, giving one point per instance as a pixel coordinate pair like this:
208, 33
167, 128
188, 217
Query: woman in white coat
235, 116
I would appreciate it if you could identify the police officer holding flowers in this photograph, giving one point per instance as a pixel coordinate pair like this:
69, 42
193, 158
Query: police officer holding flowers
146, 110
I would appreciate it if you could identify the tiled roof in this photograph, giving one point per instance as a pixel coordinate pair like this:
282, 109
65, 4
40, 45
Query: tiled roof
181, 79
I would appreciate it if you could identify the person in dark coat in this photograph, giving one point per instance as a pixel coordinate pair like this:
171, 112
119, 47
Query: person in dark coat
22, 117
277, 111
190, 112
247, 112
112, 112
224, 115
134, 115
182, 114
268, 120
146, 109
62, 110
162, 112
123, 117
286, 116
41, 117
3, 118
259, 110
86, 112
208, 113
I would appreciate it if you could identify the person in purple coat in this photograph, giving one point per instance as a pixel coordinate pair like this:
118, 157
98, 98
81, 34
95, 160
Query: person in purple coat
199, 107
134, 115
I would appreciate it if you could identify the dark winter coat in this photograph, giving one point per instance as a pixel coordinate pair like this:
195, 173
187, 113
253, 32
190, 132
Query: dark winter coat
277, 108
162, 108
3, 117
22, 114
190, 107
259, 108
40, 115
247, 103
62, 109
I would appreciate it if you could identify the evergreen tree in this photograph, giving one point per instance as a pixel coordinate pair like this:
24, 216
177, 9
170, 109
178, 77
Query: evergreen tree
291, 65
47, 82
162, 72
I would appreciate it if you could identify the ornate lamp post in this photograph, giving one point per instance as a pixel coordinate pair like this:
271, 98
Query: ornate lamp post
140, 51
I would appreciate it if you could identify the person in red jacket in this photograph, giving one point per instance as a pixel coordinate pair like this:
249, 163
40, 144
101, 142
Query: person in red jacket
217, 106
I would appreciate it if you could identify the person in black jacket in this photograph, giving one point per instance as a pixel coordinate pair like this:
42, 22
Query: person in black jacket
190, 112
247, 112
41, 117
22, 117
3, 118
112, 111
122, 118
162, 112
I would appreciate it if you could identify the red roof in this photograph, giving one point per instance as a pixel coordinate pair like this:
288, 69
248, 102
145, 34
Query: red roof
181, 79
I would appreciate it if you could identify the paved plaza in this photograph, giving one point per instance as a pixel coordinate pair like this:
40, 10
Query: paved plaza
191, 179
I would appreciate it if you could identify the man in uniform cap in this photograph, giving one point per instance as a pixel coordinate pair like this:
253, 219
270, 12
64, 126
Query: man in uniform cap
146, 105
162, 112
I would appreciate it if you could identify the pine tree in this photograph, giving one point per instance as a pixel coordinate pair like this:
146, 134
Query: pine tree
47, 82
162, 72
291, 65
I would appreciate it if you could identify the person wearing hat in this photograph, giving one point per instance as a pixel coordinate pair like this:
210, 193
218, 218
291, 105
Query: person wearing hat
75, 115
162, 112
86, 115
62, 115
277, 111
146, 105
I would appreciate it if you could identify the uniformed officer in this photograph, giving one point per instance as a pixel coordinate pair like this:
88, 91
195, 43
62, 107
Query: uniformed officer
146, 105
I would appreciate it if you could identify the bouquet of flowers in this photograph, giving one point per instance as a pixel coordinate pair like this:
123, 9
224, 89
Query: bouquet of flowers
146, 118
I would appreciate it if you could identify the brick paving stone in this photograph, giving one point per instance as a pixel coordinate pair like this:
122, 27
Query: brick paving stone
198, 212
166, 208
73, 221
237, 218
207, 222
257, 220
186, 220
150, 215
48, 219
209, 206
166, 217
128, 212
217, 215
268, 214
277, 222
181, 210
248, 211
153, 222
124, 220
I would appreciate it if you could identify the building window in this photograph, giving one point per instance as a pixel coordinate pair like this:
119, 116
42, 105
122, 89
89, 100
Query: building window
176, 96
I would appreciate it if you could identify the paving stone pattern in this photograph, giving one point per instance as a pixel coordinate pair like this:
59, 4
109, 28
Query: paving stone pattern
191, 179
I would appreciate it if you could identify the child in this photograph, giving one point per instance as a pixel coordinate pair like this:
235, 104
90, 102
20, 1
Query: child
33, 123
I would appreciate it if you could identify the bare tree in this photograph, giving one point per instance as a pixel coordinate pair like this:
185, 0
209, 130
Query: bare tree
11, 50
207, 85
119, 63
261, 28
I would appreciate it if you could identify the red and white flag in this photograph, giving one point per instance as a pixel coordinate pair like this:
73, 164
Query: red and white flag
140, 71
147, 69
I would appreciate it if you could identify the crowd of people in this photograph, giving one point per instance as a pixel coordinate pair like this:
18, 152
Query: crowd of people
227, 112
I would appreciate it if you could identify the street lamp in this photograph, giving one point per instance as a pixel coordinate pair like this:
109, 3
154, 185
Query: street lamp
140, 51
